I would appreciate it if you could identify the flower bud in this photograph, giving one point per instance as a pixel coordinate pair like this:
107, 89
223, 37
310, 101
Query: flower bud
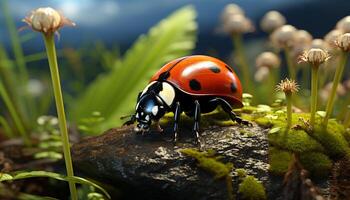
344, 24
332, 36
343, 42
238, 24
230, 10
288, 86
314, 56
46, 20
268, 59
271, 21
283, 36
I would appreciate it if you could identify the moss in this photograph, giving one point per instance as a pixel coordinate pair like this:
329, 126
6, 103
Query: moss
318, 164
279, 161
294, 140
251, 189
332, 139
209, 163
241, 173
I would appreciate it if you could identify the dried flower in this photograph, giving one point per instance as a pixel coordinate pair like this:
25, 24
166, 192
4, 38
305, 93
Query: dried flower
283, 36
46, 20
272, 20
303, 37
238, 24
314, 56
343, 42
344, 24
261, 74
230, 10
332, 36
288, 86
268, 59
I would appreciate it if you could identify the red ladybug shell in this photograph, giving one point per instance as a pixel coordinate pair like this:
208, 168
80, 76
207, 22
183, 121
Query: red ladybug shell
203, 76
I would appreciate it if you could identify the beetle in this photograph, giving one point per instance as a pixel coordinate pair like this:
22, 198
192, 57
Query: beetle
193, 84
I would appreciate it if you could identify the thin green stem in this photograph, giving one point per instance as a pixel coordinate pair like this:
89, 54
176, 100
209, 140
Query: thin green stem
289, 109
15, 116
338, 74
314, 94
7, 128
52, 58
243, 64
290, 64
347, 122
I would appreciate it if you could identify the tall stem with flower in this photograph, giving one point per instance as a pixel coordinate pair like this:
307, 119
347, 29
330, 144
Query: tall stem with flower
48, 21
315, 57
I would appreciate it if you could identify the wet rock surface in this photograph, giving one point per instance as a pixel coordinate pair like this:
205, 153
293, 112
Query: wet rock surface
151, 167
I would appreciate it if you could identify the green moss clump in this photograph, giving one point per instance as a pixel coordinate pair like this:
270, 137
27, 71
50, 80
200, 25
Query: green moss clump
318, 164
332, 139
209, 163
252, 189
279, 161
241, 173
294, 140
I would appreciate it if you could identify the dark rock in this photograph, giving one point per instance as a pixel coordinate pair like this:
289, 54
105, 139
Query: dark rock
151, 167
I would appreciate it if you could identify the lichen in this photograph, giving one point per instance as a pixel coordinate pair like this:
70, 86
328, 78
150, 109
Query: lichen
208, 162
251, 189
279, 160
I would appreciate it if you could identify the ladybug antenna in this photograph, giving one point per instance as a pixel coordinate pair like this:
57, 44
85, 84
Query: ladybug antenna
125, 116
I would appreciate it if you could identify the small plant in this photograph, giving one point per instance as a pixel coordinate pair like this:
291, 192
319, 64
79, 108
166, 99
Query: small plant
288, 87
343, 43
315, 57
235, 23
48, 21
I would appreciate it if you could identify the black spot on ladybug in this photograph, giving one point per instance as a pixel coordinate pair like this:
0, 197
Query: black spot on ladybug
215, 69
233, 87
164, 76
229, 68
195, 85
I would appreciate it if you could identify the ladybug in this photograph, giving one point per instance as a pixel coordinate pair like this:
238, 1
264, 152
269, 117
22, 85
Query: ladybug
193, 85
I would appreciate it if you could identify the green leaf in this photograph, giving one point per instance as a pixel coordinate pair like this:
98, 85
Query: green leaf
114, 94
35, 174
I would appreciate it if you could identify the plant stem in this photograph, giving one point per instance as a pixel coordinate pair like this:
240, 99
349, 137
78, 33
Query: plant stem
7, 128
15, 116
243, 64
314, 94
289, 109
337, 77
52, 58
290, 64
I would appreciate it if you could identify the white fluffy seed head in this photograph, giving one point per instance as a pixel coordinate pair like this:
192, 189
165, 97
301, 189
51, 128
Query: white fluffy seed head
271, 21
267, 59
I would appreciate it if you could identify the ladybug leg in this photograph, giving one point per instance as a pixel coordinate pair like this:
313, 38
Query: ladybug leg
130, 121
177, 115
228, 109
197, 117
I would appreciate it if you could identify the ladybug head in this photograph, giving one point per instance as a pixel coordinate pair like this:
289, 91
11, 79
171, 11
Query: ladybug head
150, 107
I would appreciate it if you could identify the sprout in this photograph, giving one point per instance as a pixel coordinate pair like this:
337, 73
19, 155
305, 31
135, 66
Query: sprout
288, 87
46, 20
271, 21
268, 59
